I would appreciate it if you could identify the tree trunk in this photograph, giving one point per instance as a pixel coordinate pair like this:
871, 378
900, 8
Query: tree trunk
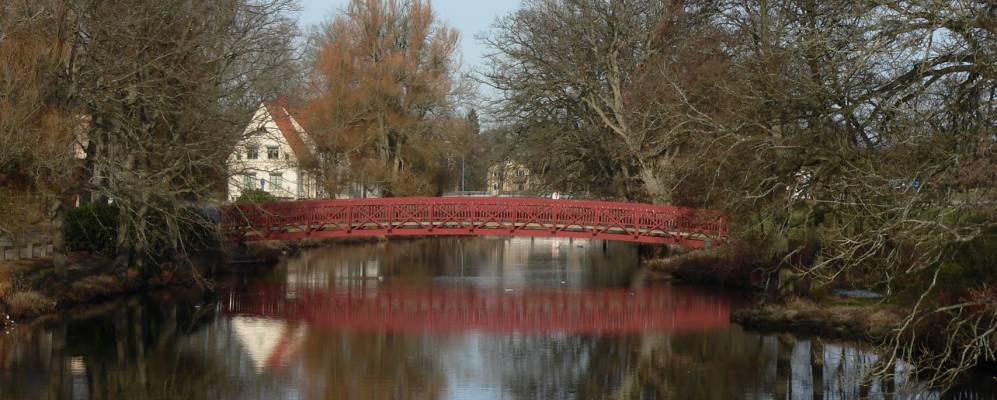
123, 247
60, 207
140, 246
653, 183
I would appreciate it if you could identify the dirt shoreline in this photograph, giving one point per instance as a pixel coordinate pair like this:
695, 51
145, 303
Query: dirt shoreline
867, 323
832, 317
38, 296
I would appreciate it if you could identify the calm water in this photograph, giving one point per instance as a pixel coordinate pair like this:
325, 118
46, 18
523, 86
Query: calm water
436, 319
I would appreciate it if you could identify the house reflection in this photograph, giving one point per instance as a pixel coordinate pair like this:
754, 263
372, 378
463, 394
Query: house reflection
481, 262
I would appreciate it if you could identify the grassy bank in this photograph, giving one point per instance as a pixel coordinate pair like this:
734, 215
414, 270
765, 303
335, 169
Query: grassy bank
778, 308
29, 289
833, 318
703, 267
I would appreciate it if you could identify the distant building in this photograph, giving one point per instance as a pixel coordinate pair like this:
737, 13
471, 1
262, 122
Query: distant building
273, 156
509, 177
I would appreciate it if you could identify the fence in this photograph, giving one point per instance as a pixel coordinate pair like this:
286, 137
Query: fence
12, 251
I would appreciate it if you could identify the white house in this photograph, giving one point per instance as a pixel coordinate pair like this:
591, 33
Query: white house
508, 177
272, 156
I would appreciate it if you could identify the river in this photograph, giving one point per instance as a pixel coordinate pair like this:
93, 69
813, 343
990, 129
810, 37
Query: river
452, 318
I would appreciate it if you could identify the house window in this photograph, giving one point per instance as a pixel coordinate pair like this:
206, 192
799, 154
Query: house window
273, 153
287, 156
276, 180
238, 156
249, 181
252, 153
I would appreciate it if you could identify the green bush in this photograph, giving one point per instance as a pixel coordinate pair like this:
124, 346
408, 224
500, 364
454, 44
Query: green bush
92, 228
255, 196
971, 263
197, 232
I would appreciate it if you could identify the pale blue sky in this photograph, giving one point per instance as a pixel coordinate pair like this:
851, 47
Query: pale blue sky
470, 17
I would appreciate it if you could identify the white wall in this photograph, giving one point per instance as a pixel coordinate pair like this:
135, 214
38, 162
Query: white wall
261, 133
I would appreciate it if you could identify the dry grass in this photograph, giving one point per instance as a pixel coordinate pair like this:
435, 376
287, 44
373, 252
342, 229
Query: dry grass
869, 321
22, 211
29, 304
6, 281
93, 287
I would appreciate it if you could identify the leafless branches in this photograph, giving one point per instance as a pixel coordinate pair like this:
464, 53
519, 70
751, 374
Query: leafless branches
141, 103
854, 140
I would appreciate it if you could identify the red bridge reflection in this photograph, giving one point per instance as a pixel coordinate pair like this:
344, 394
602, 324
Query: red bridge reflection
395, 308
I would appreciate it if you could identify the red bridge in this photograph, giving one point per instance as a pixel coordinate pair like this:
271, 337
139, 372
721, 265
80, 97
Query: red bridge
428, 216
457, 309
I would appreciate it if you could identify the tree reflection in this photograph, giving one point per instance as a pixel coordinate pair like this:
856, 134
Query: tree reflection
131, 352
342, 365
567, 367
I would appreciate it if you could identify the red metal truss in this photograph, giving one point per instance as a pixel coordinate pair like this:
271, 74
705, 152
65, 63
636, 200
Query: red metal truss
422, 216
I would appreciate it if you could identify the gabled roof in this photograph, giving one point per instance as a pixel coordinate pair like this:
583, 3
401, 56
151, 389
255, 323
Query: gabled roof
288, 127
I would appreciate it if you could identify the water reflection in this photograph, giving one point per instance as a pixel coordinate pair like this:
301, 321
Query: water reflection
417, 309
437, 319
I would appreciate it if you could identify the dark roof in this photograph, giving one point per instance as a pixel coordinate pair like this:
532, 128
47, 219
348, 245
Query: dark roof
294, 138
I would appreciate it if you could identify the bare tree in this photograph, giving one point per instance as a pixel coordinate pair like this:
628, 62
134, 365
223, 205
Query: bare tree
851, 140
154, 92
38, 127
167, 85
585, 59
859, 155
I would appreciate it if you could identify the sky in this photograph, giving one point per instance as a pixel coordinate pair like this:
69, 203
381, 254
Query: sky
470, 17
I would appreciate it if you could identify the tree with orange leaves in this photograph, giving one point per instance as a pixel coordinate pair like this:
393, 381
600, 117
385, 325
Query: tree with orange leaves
381, 106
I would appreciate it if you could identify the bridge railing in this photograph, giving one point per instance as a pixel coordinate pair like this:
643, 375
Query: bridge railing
430, 215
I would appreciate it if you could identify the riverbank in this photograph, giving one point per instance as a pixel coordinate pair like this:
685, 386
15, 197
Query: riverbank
30, 293
838, 318
831, 316
30, 290
709, 267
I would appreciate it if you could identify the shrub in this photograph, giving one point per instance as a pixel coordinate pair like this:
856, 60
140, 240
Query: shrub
29, 304
255, 196
197, 232
92, 228
6, 282
93, 287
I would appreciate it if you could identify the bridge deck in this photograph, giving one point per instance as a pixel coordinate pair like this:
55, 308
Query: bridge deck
641, 223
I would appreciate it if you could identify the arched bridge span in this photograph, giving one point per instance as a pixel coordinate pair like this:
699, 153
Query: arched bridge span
421, 216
